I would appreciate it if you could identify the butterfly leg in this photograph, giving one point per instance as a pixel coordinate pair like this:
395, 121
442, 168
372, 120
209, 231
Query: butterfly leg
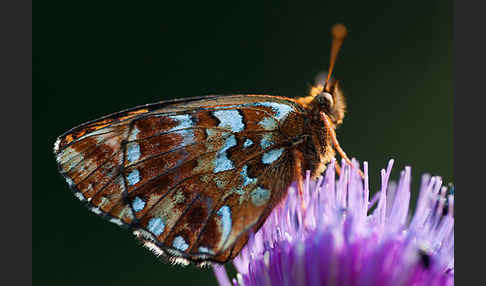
298, 158
335, 142
337, 168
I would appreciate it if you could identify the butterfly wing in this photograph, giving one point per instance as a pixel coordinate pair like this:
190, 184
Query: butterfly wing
189, 177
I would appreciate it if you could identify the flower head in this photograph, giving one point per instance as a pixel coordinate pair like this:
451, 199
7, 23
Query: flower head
339, 236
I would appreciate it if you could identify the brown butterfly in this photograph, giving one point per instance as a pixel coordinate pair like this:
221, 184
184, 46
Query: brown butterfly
192, 177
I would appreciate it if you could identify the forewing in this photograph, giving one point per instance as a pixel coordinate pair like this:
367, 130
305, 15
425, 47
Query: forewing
189, 177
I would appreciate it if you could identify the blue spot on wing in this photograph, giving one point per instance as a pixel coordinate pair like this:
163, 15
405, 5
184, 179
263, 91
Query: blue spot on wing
133, 177
281, 110
138, 204
222, 163
247, 143
226, 224
266, 141
272, 155
156, 226
246, 179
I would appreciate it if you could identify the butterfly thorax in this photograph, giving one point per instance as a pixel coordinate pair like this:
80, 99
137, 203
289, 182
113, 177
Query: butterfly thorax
317, 148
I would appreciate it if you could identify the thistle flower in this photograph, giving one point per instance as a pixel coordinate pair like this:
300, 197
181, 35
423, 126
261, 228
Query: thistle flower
341, 237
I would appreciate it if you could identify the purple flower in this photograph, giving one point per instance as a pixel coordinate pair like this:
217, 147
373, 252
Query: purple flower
344, 238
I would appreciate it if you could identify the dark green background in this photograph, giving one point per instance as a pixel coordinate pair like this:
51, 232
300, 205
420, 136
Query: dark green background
94, 58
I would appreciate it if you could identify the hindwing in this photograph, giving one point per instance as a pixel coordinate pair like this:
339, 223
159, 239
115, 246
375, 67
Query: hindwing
189, 177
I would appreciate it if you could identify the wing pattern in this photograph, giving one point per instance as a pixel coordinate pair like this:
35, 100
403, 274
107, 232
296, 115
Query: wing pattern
190, 178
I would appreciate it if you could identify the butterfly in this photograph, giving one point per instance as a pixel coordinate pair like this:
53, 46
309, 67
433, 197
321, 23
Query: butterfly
191, 178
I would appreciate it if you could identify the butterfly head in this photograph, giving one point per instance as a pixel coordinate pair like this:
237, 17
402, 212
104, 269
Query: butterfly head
331, 101
328, 99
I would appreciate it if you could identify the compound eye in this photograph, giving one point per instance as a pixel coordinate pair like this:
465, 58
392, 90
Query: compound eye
328, 97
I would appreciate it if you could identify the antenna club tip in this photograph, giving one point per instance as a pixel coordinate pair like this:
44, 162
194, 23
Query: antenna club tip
339, 31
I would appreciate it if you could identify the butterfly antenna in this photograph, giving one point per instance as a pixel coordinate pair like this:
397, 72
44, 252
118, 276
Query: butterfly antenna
339, 33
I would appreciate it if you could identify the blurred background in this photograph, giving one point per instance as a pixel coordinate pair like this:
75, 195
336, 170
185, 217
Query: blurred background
93, 58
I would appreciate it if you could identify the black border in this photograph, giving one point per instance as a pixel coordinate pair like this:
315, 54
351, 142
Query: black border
469, 145
16, 90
